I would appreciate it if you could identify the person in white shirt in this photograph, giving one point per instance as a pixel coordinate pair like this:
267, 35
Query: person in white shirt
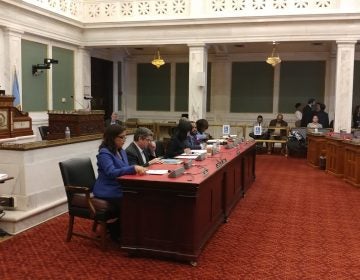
315, 123
298, 114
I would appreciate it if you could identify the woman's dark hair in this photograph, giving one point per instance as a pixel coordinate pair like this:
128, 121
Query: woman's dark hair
202, 125
183, 128
297, 105
111, 132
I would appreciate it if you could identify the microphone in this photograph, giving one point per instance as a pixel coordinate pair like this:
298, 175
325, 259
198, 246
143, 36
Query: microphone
79, 103
177, 172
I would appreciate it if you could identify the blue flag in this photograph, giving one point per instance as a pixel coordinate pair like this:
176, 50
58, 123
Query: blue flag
16, 91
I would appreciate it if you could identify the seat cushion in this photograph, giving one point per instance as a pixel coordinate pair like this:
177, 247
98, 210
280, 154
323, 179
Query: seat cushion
79, 200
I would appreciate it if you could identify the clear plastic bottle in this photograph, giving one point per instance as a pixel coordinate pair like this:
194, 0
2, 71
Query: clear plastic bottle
67, 133
218, 146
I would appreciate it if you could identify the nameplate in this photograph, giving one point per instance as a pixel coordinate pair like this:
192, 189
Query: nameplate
221, 163
177, 172
205, 172
201, 156
229, 145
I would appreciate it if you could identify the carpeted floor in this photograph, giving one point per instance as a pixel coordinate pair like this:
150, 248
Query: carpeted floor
295, 222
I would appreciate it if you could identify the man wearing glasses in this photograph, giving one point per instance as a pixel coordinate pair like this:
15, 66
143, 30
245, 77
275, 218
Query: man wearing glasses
142, 150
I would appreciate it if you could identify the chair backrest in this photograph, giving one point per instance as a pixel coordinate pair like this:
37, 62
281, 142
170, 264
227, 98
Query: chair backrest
44, 131
160, 148
78, 172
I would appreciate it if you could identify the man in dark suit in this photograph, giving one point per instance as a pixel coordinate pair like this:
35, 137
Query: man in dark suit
322, 115
308, 113
142, 150
277, 130
114, 119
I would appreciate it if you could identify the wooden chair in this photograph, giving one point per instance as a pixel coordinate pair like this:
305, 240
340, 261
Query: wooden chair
79, 178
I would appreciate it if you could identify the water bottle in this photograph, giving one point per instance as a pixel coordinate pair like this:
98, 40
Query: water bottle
217, 146
67, 133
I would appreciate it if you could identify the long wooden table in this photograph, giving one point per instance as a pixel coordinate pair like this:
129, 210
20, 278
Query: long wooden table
175, 217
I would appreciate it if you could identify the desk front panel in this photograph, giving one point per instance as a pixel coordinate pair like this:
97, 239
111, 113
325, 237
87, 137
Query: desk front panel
335, 156
175, 217
316, 148
352, 164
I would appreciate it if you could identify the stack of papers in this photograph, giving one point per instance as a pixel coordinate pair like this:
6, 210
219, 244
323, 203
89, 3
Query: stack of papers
212, 141
171, 161
157, 172
3, 176
193, 155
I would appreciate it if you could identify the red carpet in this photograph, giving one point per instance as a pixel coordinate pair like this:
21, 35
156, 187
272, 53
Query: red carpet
295, 222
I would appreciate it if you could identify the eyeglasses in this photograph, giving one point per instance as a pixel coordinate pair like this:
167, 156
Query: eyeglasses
123, 137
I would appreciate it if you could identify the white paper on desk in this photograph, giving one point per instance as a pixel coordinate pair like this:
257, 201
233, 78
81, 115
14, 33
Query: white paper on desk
194, 152
187, 156
157, 171
198, 152
3, 176
171, 161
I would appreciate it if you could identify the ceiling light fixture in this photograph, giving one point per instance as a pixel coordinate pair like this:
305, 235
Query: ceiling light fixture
157, 61
274, 59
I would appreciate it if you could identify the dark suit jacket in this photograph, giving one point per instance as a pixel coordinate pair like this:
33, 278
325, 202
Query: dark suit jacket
134, 155
323, 119
307, 116
283, 124
176, 147
108, 121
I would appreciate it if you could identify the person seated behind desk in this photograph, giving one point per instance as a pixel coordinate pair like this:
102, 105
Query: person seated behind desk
178, 143
201, 126
142, 150
314, 125
112, 163
323, 117
192, 141
260, 130
114, 119
278, 131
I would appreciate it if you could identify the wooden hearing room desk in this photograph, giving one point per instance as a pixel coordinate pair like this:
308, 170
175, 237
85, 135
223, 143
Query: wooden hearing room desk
316, 148
352, 162
175, 217
335, 156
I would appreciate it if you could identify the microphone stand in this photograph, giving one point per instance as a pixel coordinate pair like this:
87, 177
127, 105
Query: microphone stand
79, 103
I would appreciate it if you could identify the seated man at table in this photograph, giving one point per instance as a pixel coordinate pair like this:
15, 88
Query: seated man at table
114, 119
278, 131
260, 130
142, 150
193, 142
201, 126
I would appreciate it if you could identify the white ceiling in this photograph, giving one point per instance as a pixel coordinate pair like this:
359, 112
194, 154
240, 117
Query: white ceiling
235, 48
